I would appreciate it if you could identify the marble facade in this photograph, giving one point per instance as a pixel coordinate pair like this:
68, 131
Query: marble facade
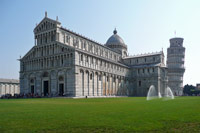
64, 63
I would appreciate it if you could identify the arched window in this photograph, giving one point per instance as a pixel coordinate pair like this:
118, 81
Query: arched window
45, 74
61, 78
32, 81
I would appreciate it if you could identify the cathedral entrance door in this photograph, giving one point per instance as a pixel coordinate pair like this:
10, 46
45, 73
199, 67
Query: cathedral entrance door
32, 89
46, 88
61, 89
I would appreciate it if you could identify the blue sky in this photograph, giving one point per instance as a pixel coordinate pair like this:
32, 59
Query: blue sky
145, 26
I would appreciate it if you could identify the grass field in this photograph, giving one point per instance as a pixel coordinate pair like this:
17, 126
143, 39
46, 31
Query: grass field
132, 114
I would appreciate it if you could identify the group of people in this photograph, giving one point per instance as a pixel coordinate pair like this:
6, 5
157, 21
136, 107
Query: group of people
28, 95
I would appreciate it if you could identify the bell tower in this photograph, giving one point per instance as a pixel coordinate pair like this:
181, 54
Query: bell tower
175, 64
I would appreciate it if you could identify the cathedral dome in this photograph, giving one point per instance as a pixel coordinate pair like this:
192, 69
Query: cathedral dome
115, 39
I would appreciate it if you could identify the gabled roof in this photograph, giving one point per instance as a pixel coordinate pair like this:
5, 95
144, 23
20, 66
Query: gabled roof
33, 48
46, 19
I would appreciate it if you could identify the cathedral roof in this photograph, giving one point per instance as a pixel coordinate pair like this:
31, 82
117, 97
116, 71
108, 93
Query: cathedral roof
143, 55
115, 39
147, 65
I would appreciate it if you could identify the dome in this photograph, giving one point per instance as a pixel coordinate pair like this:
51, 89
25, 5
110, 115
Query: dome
115, 40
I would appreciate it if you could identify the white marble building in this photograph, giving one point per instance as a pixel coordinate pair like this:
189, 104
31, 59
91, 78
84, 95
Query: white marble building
65, 63
175, 64
9, 86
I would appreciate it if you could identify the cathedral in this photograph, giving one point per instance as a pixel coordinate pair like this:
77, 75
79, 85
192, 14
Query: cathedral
64, 63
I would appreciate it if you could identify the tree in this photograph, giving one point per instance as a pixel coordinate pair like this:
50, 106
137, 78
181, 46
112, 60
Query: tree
189, 89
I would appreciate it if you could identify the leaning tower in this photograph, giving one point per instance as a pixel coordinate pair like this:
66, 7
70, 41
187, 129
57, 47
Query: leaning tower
175, 64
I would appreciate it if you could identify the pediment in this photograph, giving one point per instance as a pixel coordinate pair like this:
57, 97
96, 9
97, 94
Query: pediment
46, 24
32, 52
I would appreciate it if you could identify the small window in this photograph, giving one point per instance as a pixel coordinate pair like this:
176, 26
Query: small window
84, 45
66, 39
86, 58
62, 61
81, 57
143, 70
153, 70
140, 83
90, 76
53, 50
99, 77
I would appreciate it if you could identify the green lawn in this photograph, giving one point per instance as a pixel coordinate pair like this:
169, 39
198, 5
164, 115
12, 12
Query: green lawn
132, 114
